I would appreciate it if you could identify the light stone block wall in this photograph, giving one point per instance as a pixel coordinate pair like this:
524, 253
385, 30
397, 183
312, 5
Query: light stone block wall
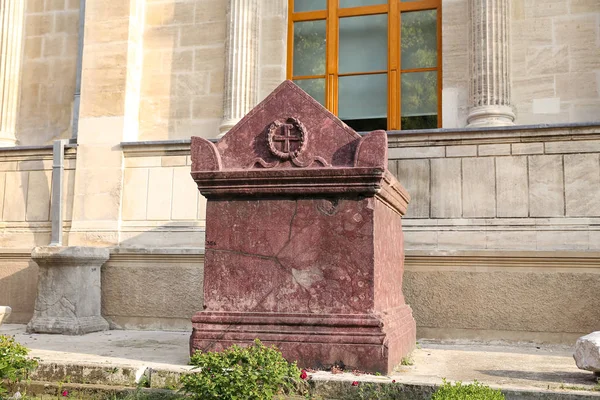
25, 192
272, 46
147, 289
556, 61
48, 71
183, 69
536, 189
455, 63
161, 203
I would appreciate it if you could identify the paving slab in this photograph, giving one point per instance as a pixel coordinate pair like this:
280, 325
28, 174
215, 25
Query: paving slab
506, 365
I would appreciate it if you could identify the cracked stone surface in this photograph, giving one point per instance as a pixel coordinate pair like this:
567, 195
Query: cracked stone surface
304, 244
69, 295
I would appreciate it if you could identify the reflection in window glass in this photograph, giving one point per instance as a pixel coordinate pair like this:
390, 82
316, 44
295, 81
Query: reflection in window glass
358, 3
309, 48
309, 5
419, 100
419, 39
314, 87
363, 44
363, 101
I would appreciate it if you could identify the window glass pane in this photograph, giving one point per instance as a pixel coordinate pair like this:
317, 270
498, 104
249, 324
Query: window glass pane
358, 3
419, 39
309, 5
363, 43
419, 100
314, 87
362, 101
309, 48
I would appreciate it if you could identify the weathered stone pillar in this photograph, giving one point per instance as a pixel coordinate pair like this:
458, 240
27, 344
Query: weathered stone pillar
490, 60
69, 293
11, 53
240, 90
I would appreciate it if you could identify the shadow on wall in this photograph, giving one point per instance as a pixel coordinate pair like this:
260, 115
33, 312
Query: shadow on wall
18, 286
154, 286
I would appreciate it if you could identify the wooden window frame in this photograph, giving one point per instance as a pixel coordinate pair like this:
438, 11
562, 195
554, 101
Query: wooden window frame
393, 8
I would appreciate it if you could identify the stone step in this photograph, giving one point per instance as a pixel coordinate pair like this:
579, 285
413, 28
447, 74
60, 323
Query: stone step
80, 391
101, 382
109, 375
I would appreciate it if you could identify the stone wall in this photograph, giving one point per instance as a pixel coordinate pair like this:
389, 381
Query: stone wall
161, 204
25, 190
183, 69
519, 189
48, 71
555, 58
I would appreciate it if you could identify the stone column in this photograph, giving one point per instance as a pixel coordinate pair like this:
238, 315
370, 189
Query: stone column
490, 61
11, 53
69, 293
241, 48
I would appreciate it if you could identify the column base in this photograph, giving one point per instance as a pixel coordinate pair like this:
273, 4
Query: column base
226, 125
488, 116
371, 342
7, 140
67, 326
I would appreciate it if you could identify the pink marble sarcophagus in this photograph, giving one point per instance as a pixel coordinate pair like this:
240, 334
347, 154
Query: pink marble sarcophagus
304, 245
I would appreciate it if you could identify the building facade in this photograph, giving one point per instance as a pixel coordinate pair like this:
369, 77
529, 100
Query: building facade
492, 108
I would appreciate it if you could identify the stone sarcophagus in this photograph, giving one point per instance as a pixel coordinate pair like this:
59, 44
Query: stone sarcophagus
304, 245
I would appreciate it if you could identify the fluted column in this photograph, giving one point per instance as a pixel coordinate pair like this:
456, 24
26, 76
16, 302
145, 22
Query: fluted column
240, 91
11, 53
490, 63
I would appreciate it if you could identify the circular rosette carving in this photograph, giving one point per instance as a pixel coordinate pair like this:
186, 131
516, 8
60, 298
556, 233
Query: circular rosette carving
287, 140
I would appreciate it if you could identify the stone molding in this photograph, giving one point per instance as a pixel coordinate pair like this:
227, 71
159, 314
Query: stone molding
543, 260
490, 61
516, 134
240, 91
11, 54
434, 137
127, 256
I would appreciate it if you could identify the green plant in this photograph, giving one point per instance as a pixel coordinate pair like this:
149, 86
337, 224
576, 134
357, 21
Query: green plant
254, 373
14, 363
407, 361
473, 391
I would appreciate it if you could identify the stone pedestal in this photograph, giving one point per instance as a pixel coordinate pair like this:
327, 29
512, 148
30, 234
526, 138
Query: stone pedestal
304, 245
4, 313
68, 297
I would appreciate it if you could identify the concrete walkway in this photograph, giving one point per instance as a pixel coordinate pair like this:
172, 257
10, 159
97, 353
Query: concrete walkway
505, 365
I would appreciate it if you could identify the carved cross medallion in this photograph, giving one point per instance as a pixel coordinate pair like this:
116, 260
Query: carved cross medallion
287, 139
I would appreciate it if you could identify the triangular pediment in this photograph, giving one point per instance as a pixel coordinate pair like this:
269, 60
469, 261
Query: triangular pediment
258, 140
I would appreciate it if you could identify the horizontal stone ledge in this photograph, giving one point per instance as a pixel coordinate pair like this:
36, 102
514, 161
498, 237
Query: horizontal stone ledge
417, 259
10, 153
